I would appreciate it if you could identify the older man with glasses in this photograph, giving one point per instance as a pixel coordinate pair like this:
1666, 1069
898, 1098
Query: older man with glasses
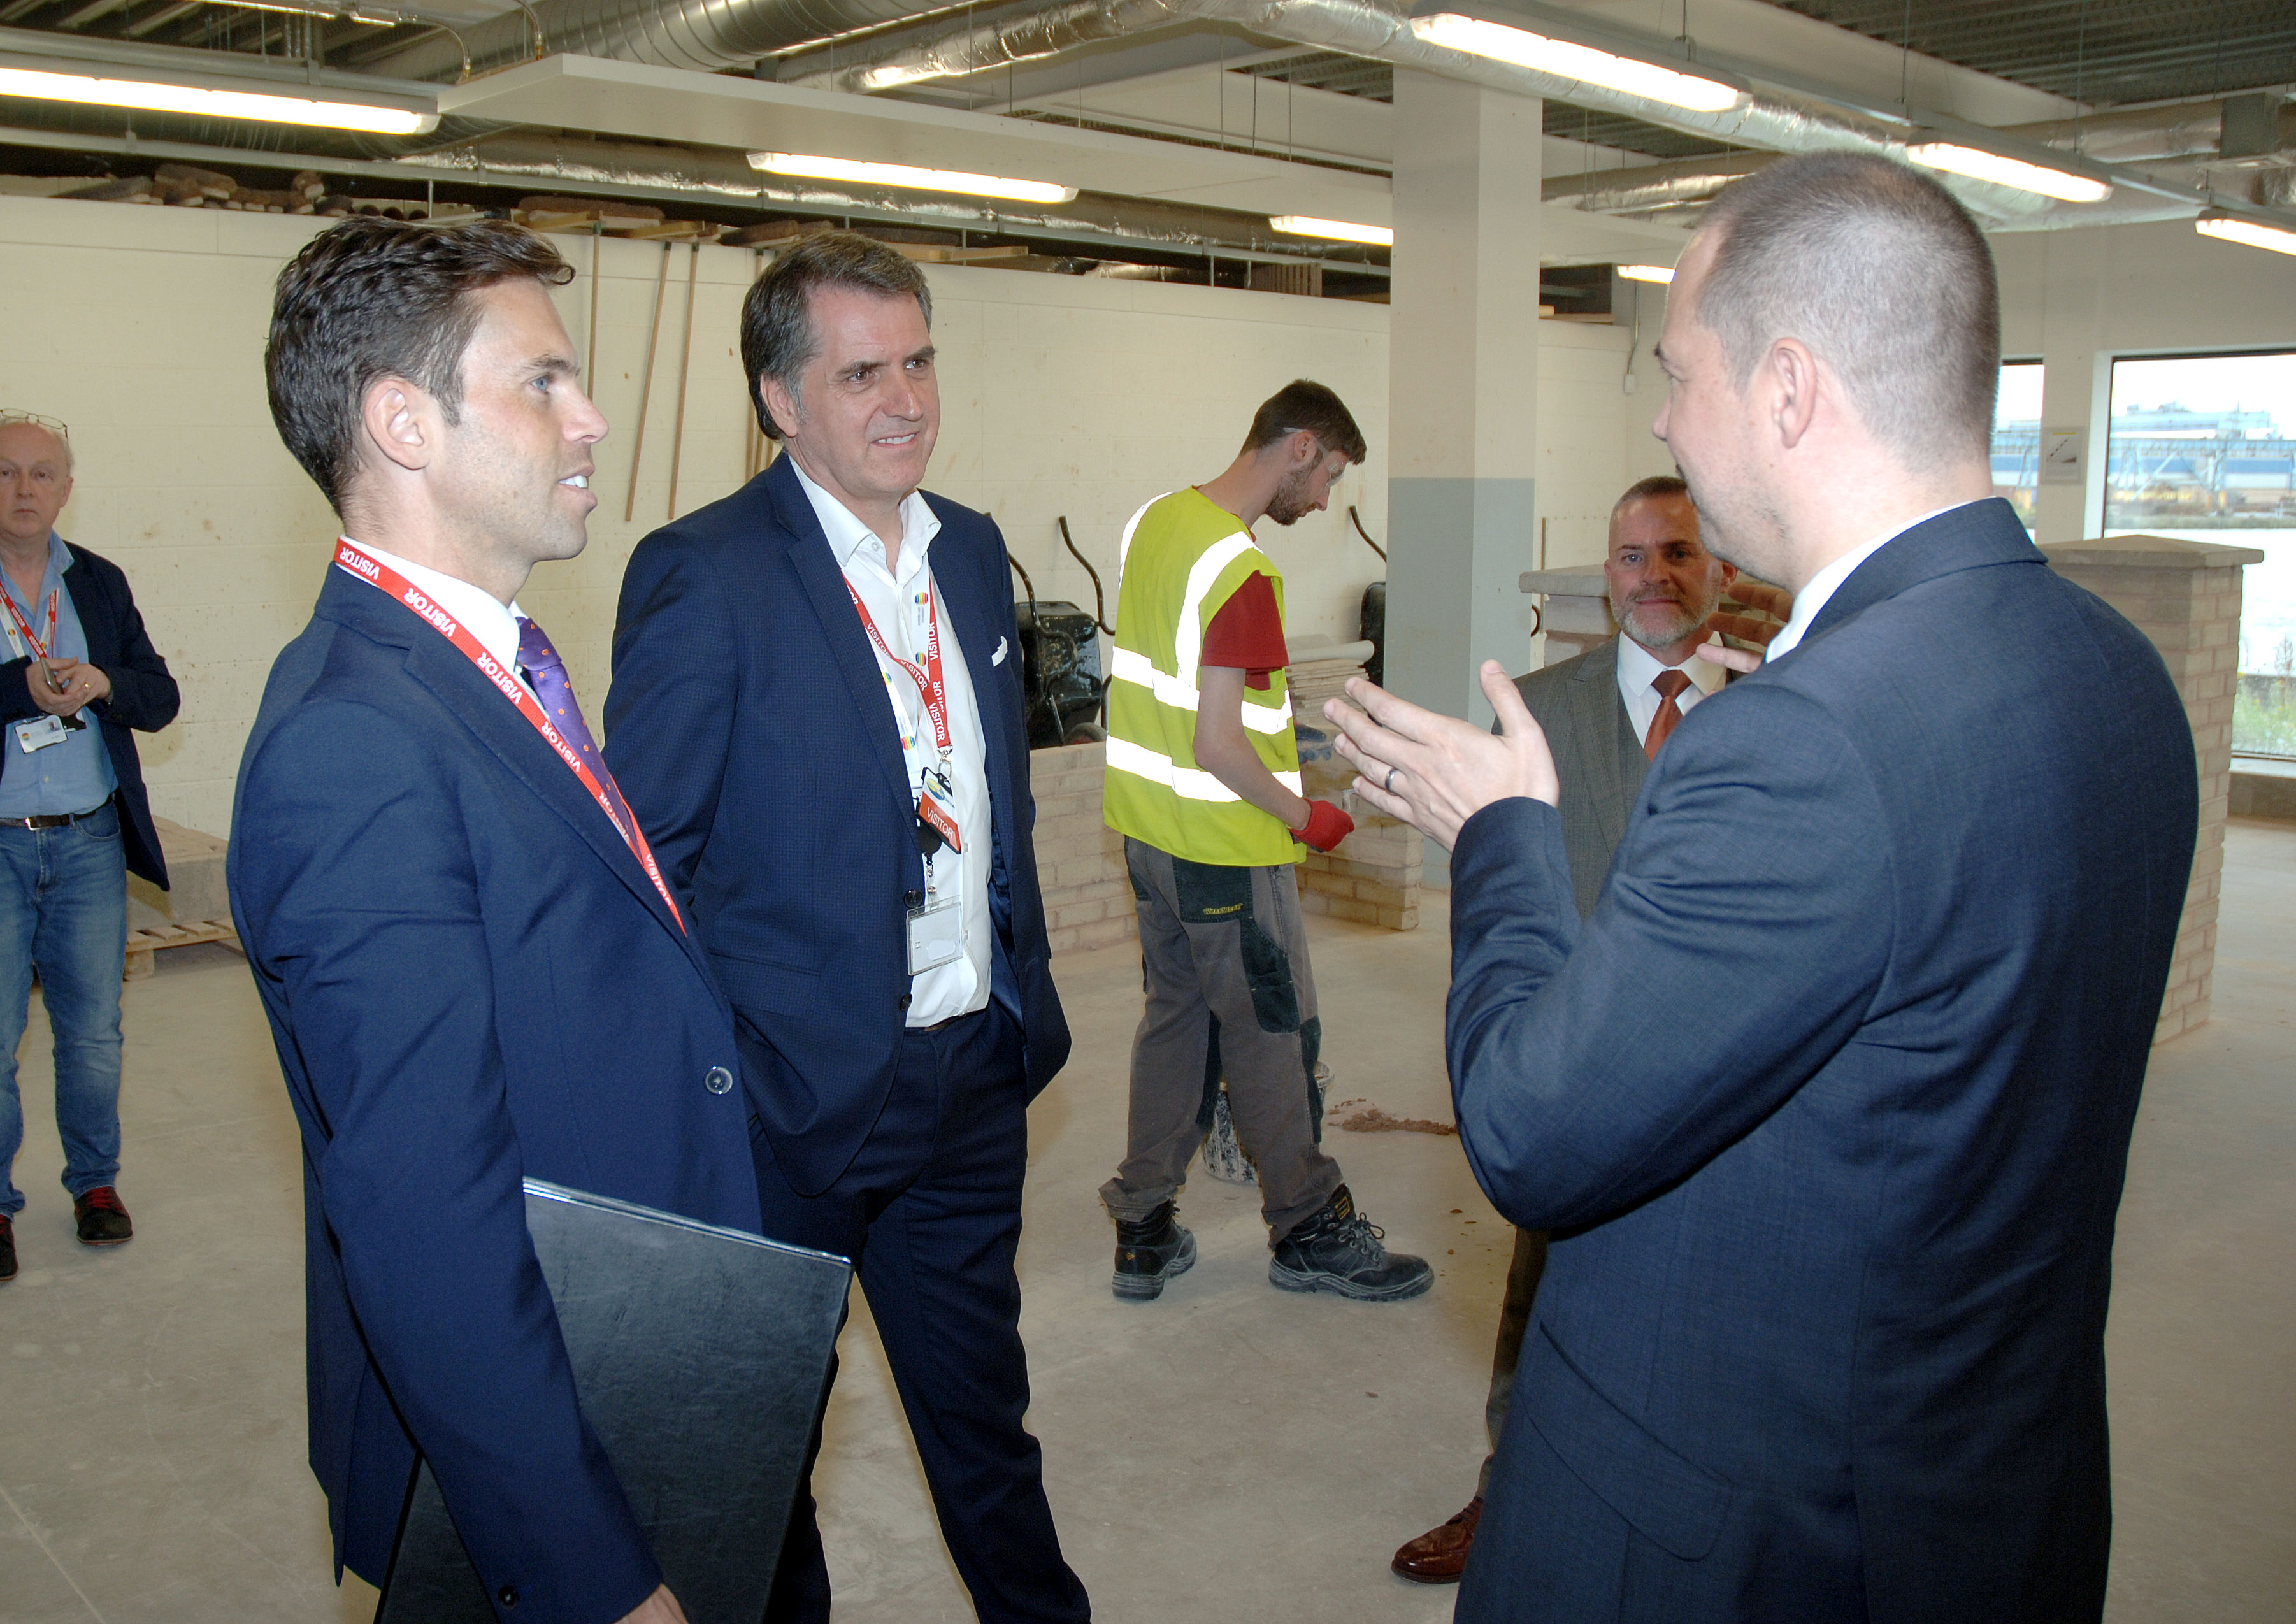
79, 674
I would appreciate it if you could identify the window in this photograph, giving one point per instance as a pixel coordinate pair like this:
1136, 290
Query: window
2017, 436
2201, 446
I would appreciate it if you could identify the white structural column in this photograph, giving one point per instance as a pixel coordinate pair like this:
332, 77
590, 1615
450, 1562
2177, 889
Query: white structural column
1462, 391
2076, 387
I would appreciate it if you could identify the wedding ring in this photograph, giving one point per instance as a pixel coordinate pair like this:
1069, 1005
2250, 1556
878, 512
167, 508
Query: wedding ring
1389, 785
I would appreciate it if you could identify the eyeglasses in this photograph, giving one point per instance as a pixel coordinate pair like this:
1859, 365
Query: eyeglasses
9, 417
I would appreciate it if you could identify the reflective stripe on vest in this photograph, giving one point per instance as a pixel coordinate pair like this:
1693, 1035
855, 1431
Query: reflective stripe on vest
1188, 783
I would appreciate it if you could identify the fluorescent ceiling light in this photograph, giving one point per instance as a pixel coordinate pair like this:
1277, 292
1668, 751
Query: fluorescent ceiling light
1332, 231
809, 167
145, 95
1646, 273
1979, 165
2230, 228
1565, 61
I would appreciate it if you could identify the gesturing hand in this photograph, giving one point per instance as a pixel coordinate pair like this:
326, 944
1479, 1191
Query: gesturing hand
1436, 772
1754, 595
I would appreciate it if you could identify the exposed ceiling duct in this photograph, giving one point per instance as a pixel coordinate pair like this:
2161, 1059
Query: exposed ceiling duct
705, 35
2179, 141
1766, 119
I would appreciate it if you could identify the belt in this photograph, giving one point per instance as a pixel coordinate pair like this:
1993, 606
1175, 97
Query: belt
49, 820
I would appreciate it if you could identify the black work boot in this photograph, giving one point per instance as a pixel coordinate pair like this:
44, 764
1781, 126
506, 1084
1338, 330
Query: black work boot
1150, 1250
1337, 1249
7, 1247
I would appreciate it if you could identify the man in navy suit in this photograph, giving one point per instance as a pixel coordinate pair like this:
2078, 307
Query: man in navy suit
471, 970
816, 704
1829, 1101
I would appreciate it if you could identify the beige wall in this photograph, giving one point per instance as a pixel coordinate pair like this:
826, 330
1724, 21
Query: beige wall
143, 329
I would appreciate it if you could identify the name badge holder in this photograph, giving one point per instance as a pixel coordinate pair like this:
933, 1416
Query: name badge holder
50, 729
936, 925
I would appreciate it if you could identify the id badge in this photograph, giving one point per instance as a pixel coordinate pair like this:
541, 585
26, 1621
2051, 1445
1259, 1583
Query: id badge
38, 735
936, 934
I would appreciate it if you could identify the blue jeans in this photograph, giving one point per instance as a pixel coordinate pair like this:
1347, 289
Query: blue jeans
63, 907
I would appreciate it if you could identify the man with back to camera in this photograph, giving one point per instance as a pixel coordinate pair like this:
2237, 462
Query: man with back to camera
1604, 713
818, 701
1828, 1342
472, 970
74, 819
1203, 783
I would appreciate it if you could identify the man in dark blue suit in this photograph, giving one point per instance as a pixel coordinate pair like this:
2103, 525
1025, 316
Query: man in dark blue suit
1829, 1101
816, 703
471, 969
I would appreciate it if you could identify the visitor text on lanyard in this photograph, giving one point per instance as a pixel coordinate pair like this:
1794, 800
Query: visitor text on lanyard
382, 576
937, 797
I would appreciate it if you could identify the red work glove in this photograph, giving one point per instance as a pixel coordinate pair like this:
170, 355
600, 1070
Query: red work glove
1327, 826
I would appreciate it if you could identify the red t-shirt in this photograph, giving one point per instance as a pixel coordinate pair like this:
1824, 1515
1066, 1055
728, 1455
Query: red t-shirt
1247, 632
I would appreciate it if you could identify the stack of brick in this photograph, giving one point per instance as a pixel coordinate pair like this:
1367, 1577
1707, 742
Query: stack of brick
1375, 878
2185, 597
1079, 859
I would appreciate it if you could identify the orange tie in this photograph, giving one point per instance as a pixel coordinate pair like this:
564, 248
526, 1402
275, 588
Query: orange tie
1668, 683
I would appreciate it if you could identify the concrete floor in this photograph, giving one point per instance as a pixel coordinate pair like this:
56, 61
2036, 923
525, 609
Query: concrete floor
1228, 1453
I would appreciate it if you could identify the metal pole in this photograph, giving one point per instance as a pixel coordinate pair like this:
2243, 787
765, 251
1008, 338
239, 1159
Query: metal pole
646, 390
684, 365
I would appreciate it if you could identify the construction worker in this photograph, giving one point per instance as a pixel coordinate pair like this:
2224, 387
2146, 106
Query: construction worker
1203, 783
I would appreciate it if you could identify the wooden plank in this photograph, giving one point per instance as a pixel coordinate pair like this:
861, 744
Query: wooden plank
146, 941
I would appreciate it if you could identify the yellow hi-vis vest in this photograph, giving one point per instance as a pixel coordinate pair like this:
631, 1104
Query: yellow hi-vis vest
1184, 557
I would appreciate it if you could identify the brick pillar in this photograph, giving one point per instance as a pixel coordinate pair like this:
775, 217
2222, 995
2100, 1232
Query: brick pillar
2185, 595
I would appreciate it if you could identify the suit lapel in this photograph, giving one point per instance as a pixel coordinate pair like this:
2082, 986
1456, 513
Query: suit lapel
974, 621
840, 625
443, 669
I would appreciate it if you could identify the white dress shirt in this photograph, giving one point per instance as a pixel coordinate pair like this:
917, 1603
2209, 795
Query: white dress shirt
493, 626
1638, 668
1812, 599
896, 600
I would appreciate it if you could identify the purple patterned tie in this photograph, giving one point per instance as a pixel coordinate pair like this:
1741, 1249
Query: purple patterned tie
547, 672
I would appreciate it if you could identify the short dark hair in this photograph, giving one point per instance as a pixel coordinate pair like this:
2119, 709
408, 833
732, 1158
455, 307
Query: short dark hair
373, 299
778, 337
1657, 487
1305, 404
1882, 274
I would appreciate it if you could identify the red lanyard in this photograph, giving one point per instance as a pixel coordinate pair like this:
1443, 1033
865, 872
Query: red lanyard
382, 576
40, 649
930, 687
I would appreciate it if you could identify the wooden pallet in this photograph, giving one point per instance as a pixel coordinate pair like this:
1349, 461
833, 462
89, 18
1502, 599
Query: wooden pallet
146, 941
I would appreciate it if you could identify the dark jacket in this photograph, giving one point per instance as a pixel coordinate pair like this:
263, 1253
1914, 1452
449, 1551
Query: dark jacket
144, 696
749, 726
470, 979
1835, 1088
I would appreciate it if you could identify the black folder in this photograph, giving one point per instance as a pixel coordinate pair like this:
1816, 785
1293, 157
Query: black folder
701, 1355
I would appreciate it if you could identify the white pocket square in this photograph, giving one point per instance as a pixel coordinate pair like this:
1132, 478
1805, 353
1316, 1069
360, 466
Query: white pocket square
998, 659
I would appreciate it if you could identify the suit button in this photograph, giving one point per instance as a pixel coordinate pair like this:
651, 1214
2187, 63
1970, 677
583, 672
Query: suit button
905, 1000
507, 1596
719, 1080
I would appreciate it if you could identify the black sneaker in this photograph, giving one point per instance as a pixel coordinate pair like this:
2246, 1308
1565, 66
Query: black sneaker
1339, 1250
1149, 1251
7, 1248
102, 1220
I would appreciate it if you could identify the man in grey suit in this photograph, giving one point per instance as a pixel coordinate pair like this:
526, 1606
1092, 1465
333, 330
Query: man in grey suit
1605, 713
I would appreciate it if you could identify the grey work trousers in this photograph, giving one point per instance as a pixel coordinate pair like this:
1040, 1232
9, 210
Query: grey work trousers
1523, 1270
1224, 960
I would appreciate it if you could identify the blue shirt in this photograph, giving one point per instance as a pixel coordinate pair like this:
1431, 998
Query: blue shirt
75, 775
